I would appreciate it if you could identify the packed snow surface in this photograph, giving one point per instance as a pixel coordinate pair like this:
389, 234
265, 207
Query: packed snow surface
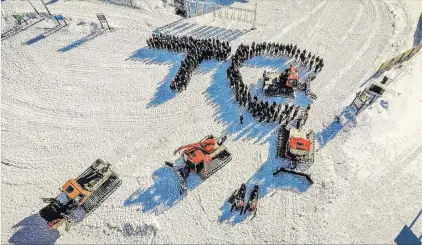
79, 93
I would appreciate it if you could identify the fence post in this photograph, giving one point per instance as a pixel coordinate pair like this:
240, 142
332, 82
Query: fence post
254, 18
36, 11
46, 8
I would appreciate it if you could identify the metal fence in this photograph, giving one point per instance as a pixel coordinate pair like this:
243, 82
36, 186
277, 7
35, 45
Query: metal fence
237, 14
196, 8
399, 58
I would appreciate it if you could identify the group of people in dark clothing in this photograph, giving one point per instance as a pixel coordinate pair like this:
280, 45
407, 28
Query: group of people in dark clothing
263, 111
274, 49
197, 51
200, 50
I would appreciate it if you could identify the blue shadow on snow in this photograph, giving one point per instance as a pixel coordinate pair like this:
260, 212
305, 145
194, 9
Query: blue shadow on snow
417, 37
407, 236
156, 56
35, 39
51, 2
228, 111
163, 194
225, 2
329, 132
45, 34
207, 66
33, 230
267, 182
95, 33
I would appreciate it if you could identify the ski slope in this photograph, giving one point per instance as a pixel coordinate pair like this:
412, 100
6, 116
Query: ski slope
80, 94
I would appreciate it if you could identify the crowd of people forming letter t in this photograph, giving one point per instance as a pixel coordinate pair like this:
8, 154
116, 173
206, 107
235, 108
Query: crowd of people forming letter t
197, 50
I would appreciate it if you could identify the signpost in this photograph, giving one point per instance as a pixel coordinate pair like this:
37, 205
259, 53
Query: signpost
59, 18
101, 17
19, 18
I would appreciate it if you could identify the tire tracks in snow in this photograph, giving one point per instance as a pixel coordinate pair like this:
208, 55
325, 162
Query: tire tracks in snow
300, 21
331, 85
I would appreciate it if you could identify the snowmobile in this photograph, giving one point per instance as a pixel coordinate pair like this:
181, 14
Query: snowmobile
203, 158
252, 204
297, 145
237, 199
81, 196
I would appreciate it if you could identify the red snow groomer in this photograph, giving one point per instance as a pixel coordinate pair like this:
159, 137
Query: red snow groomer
284, 84
203, 158
298, 145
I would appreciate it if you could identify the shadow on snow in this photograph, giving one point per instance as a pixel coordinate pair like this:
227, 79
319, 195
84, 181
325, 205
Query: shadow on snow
228, 111
44, 35
164, 193
51, 2
346, 117
417, 37
93, 34
226, 2
156, 56
407, 236
33, 230
267, 182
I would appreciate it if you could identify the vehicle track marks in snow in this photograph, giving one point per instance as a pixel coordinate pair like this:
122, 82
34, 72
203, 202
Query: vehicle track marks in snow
298, 22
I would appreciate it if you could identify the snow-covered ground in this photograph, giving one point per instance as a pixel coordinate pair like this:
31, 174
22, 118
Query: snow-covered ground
80, 94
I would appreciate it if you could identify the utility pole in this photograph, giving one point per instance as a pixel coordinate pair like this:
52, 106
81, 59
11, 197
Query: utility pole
36, 11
